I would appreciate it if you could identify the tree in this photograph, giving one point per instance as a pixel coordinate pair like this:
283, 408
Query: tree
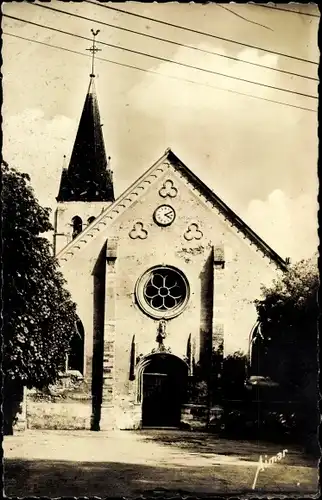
38, 313
288, 315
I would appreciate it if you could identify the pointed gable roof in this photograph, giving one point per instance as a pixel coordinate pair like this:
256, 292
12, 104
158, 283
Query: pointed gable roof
168, 160
88, 177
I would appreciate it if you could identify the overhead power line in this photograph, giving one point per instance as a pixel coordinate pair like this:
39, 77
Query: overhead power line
164, 59
191, 30
192, 47
244, 18
284, 10
129, 66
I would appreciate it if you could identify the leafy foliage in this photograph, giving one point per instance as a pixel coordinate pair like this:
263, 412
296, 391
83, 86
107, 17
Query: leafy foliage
288, 314
234, 375
225, 379
38, 314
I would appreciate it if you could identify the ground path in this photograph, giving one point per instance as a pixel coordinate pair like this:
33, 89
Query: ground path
152, 463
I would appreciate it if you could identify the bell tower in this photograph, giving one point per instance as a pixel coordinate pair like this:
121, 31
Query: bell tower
86, 186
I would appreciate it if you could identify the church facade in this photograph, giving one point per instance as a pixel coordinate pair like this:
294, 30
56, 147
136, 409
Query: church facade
164, 278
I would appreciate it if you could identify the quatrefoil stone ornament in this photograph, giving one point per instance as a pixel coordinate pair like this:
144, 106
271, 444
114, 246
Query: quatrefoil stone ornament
193, 232
138, 231
168, 189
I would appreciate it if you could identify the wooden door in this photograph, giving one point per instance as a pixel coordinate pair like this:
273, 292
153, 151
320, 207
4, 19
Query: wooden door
161, 401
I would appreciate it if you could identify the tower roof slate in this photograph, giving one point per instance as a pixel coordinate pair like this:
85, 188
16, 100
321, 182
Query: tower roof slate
88, 176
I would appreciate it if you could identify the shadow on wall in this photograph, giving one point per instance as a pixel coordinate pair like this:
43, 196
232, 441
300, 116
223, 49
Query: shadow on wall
206, 312
11, 408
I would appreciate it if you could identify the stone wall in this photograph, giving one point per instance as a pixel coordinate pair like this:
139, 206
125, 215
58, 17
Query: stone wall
66, 405
58, 415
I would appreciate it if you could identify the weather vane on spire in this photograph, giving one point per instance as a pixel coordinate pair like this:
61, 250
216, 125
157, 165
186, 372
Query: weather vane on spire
93, 49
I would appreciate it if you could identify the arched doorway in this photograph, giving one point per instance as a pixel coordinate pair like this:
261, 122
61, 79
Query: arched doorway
75, 359
164, 387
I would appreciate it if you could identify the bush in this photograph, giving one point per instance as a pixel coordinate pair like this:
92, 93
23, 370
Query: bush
252, 421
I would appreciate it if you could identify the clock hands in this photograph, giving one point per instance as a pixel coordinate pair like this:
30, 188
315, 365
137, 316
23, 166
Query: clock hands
164, 215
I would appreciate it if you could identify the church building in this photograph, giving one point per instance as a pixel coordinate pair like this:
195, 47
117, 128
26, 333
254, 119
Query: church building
164, 278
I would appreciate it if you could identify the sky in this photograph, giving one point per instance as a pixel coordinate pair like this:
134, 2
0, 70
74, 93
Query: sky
258, 156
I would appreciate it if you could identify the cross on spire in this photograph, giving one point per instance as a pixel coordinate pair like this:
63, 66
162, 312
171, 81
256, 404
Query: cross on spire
93, 49
88, 176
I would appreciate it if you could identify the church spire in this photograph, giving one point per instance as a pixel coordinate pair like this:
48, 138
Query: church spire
88, 177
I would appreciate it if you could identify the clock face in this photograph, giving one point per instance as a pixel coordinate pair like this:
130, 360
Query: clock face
164, 215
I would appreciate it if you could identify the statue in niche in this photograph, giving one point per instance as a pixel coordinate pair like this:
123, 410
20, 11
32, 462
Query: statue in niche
161, 335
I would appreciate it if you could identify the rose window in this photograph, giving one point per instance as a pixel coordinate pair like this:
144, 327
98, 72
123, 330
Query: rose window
162, 292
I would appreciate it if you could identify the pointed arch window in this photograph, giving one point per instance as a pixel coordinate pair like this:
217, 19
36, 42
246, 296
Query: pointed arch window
90, 220
77, 226
75, 357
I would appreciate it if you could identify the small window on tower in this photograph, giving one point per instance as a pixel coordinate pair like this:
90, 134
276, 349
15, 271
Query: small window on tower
90, 220
77, 226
